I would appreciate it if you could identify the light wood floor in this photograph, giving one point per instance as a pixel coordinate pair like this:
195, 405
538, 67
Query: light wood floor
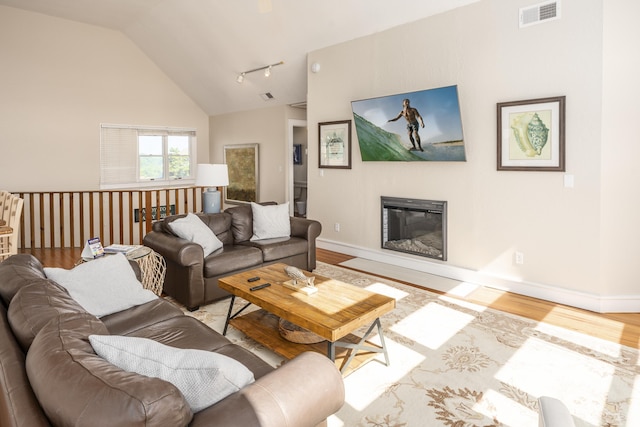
623, 328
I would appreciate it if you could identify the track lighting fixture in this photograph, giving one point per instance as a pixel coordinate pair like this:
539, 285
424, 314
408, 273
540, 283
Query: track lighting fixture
266, 68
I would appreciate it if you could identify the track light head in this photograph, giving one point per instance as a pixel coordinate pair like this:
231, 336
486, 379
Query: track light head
266, 68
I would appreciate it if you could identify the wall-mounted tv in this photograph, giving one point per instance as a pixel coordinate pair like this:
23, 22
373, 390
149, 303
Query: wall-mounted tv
415, 126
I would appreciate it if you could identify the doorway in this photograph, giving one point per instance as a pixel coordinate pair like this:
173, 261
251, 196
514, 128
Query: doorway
298, 168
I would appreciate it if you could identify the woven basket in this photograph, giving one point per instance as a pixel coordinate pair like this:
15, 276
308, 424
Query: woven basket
294, 333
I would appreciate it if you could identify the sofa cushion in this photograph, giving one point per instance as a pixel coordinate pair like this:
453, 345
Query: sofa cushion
18, 271
242, 221
183, 332
220, 223
270, 221
103, 286
231, 259
35, 305
188, 332
191, 228
140, 317
203, 377
284, 247
77, 387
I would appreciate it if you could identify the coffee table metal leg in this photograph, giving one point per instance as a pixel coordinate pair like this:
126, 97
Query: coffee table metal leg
331, 350
384, 345
360, 346
232, 316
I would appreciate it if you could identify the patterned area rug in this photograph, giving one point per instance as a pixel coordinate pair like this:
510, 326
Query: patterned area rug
458, 364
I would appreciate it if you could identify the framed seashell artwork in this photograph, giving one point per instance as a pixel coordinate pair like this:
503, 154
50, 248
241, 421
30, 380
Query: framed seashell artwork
531, 135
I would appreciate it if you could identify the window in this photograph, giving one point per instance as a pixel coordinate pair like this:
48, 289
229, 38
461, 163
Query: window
133, 156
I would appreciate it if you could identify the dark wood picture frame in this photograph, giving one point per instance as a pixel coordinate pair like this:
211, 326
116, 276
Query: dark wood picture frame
334, 144
531, 135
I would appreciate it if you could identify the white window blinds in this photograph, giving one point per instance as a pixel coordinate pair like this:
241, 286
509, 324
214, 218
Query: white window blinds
118, 156
123, 164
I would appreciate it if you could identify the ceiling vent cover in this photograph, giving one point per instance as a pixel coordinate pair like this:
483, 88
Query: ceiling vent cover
267, 96
539, 13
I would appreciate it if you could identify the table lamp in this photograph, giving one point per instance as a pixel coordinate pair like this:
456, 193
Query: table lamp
211, 176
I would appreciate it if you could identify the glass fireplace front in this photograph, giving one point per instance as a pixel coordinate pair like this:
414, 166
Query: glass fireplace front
415, 226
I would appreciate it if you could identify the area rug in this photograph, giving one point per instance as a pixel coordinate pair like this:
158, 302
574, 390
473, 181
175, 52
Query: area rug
458, 364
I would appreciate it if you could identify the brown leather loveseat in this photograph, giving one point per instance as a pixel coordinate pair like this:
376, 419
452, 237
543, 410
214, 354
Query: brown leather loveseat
50, 374
192, 279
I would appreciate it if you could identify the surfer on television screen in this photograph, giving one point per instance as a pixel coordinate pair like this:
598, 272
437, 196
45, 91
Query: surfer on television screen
412, 116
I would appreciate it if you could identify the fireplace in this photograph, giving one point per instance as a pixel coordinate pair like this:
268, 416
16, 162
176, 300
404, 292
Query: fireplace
415, 226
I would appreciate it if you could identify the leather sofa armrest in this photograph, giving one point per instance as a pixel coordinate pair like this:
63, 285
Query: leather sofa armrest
302, 392
308, 229
173, 248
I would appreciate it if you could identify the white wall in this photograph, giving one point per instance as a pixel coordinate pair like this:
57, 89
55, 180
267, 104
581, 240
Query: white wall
59, 80
491, 214
267, 127
620, 149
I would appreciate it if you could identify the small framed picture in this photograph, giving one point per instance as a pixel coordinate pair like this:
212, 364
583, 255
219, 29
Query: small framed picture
297, 154
531, 135
334, 144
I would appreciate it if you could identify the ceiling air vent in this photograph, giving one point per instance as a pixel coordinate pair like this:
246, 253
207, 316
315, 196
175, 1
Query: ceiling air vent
539, 13
267, 96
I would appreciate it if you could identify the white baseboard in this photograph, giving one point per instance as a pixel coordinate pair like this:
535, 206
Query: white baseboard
391, 265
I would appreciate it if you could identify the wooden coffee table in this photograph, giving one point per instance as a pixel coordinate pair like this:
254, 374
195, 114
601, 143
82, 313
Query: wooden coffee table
334, 313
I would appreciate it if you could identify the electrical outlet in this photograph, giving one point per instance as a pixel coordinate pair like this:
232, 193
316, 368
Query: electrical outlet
519, 258
336, 226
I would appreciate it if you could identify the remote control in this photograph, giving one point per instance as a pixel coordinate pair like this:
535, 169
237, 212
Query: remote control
253, 279
264, 285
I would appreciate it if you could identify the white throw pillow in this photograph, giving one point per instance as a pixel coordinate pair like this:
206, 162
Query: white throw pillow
102, 286
203, 377
194, 230
270, 221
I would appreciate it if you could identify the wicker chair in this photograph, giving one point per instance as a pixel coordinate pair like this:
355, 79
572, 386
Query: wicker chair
10, 215
4, 195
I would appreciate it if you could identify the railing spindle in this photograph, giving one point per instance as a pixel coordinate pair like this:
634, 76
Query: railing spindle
52, 219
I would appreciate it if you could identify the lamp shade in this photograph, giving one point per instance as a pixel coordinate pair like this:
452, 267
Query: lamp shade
212, 175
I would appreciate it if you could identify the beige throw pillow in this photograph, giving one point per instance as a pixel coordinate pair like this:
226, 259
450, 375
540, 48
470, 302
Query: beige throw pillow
203, 377
270, 221
194, 230
102, 286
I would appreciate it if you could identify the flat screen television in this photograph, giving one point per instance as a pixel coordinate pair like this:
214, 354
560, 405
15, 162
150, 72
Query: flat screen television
411, 127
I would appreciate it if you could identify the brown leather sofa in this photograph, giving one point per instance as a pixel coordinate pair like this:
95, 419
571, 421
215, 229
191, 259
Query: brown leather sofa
50, 375
192, 279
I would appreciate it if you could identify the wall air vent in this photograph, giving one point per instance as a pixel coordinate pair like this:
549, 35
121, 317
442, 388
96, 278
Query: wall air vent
539, 13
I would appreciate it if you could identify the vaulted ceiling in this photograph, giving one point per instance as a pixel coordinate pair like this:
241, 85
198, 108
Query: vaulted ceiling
204, 44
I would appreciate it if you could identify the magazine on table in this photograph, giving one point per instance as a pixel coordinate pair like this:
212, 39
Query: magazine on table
120, 249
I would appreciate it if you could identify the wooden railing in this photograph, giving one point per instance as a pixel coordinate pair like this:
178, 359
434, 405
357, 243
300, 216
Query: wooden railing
66, 219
